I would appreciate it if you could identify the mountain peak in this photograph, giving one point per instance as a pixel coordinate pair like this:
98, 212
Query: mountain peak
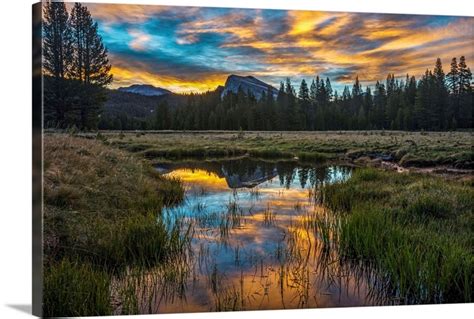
247, 83
145, 89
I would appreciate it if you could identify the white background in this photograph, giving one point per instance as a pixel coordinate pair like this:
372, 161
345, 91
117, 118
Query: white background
15, 154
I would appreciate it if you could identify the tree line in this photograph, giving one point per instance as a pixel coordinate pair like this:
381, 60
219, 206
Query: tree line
76, 68
76, 71
437, 101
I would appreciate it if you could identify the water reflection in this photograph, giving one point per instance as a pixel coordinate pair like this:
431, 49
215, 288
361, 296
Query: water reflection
260, 241
249, 173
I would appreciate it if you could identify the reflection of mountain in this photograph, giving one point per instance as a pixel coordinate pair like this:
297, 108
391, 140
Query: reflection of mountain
237, 173
249, 178
250, 172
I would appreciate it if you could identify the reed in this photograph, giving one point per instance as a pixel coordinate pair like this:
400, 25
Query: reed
74, 289
419, 238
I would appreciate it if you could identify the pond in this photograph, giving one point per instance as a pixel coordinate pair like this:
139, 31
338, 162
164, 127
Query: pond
260, 240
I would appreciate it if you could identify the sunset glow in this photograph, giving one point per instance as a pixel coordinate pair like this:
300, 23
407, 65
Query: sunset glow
190, 49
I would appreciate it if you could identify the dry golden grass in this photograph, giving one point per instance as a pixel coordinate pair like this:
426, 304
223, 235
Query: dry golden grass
101, 215
406, 148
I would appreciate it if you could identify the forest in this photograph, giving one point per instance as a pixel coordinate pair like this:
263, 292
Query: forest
76, 68
77, 72
437, 102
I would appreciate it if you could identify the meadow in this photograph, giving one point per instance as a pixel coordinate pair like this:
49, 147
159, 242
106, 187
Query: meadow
108, 243
415, 229
408, 149
100, 218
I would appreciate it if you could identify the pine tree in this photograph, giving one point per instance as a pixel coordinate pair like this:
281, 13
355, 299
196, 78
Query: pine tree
281, 108
453, 84
356, 88
465, 95
453, 77
311, 116
380, 103
424, 102
313, 91
328, 90
356, 107
305, 104
465, 76
392, 101
409, 101
368, 106
303, 93
90, 65
438, 112
293, 109
57, 53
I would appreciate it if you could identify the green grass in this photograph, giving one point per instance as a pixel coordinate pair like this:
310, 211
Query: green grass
138, 241
415, 230
103, 203
75, 289
102, 211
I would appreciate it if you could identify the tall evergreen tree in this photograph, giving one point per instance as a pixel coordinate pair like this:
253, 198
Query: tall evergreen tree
311, 116
465, 75
368, 106
453, 85
313, 90
57, 53
380, 103
90, 65
293, 109
453, 77
424, 101
305, 104
440, 97
328, 90
465, 95
409, 101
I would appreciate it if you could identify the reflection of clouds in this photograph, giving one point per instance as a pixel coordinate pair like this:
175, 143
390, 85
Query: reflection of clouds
200, 178
269, 257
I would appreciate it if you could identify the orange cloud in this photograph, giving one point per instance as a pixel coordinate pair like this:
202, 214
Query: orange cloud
111, 13
301, 44
303, 22
124, 76
232, 23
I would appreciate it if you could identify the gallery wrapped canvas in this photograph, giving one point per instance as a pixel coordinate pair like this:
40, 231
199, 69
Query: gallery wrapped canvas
193, 159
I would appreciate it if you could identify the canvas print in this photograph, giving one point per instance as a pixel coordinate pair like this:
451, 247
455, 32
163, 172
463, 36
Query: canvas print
193, 159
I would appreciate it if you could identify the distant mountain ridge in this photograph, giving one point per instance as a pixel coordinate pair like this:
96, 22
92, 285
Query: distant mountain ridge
232, 84
145, 89
139, 101
248, 84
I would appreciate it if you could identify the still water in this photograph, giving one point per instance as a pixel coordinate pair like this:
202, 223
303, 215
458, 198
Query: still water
260, 240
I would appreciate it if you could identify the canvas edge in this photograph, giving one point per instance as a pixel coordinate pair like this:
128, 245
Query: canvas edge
37, 162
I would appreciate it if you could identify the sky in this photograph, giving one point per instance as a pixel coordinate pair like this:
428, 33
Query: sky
192, 49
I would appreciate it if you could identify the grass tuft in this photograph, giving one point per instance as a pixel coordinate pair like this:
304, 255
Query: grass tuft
415, 229
74, 289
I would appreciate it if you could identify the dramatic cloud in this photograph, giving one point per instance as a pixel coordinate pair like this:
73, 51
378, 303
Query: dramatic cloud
189, 49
